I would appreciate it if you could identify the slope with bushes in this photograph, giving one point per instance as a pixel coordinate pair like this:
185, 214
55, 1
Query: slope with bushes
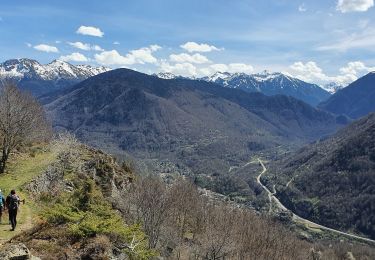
87, 206
332, 182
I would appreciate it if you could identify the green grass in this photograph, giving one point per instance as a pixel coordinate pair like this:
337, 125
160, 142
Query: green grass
21, 171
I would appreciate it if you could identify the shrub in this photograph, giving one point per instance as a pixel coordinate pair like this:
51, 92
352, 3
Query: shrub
87, 214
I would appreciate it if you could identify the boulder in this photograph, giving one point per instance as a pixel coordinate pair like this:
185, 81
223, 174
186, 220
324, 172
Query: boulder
15, 252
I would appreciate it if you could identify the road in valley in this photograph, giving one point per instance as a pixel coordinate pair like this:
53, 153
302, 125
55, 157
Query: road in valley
299, 219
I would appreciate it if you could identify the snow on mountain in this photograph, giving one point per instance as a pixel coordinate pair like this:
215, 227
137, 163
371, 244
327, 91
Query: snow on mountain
271, 84
40, 79
169, 75
57, 69
332, 87
165, 75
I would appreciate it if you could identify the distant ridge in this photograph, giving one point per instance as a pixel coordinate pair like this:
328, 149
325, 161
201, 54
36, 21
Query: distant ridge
267, 83
40, 79
356, 100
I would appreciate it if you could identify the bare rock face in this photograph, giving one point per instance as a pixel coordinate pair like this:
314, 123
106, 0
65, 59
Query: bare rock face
16, 252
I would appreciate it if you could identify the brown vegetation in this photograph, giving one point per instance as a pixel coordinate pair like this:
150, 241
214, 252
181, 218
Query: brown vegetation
22, 120
181, 223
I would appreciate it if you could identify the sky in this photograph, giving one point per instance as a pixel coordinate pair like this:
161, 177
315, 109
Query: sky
319, 41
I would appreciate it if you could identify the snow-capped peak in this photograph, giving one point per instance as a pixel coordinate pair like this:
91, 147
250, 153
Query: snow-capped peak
219, 75
165, 75
266, 75
332, 87
55, 70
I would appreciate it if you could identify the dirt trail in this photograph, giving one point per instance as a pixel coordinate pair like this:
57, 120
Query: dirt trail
25, 222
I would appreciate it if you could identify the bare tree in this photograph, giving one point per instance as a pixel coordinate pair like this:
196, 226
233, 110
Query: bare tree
150, 200
22, 120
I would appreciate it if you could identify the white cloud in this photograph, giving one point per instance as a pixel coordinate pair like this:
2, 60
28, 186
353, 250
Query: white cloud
85, 46
80, 45
231, 68
184, 57
154, 47
183, 69
311, 72
46, 48
139, 56
218, 67
196, 47
240, 67
346, 6
90, 30
116, 43
75, 56
356, 67
97, 48
111, 58
365, 39
302, 8
29, 45
57, 42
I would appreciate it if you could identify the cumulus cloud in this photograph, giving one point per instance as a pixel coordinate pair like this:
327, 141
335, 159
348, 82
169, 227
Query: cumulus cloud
356, 67
346, 6
90, 30
75, 56
311, 72
46, 48
185, 57
190, 69
231, 67
85, 46
80, 45
139, 56
183, 69
198, 47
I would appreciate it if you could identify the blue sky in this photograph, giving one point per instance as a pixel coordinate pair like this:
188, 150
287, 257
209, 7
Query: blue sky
317, 41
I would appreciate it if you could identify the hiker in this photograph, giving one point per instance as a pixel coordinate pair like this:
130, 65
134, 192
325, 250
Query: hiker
12, 203
2, 205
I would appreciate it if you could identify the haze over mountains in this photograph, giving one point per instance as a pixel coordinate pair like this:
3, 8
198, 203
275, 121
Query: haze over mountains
195, 123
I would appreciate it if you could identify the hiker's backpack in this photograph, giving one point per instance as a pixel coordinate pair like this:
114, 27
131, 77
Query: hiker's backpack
13, 202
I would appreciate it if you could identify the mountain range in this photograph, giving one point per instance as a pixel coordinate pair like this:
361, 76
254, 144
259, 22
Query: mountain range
266, 83
40, 79
332, 182
356, 100
196, 125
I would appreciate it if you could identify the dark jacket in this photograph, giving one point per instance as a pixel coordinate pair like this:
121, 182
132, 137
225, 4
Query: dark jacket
12, 201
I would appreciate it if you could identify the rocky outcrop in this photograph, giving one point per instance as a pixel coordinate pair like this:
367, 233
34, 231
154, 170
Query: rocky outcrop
16, 252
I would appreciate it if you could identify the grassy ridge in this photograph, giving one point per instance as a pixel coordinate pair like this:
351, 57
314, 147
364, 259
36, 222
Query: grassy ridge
21, 171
